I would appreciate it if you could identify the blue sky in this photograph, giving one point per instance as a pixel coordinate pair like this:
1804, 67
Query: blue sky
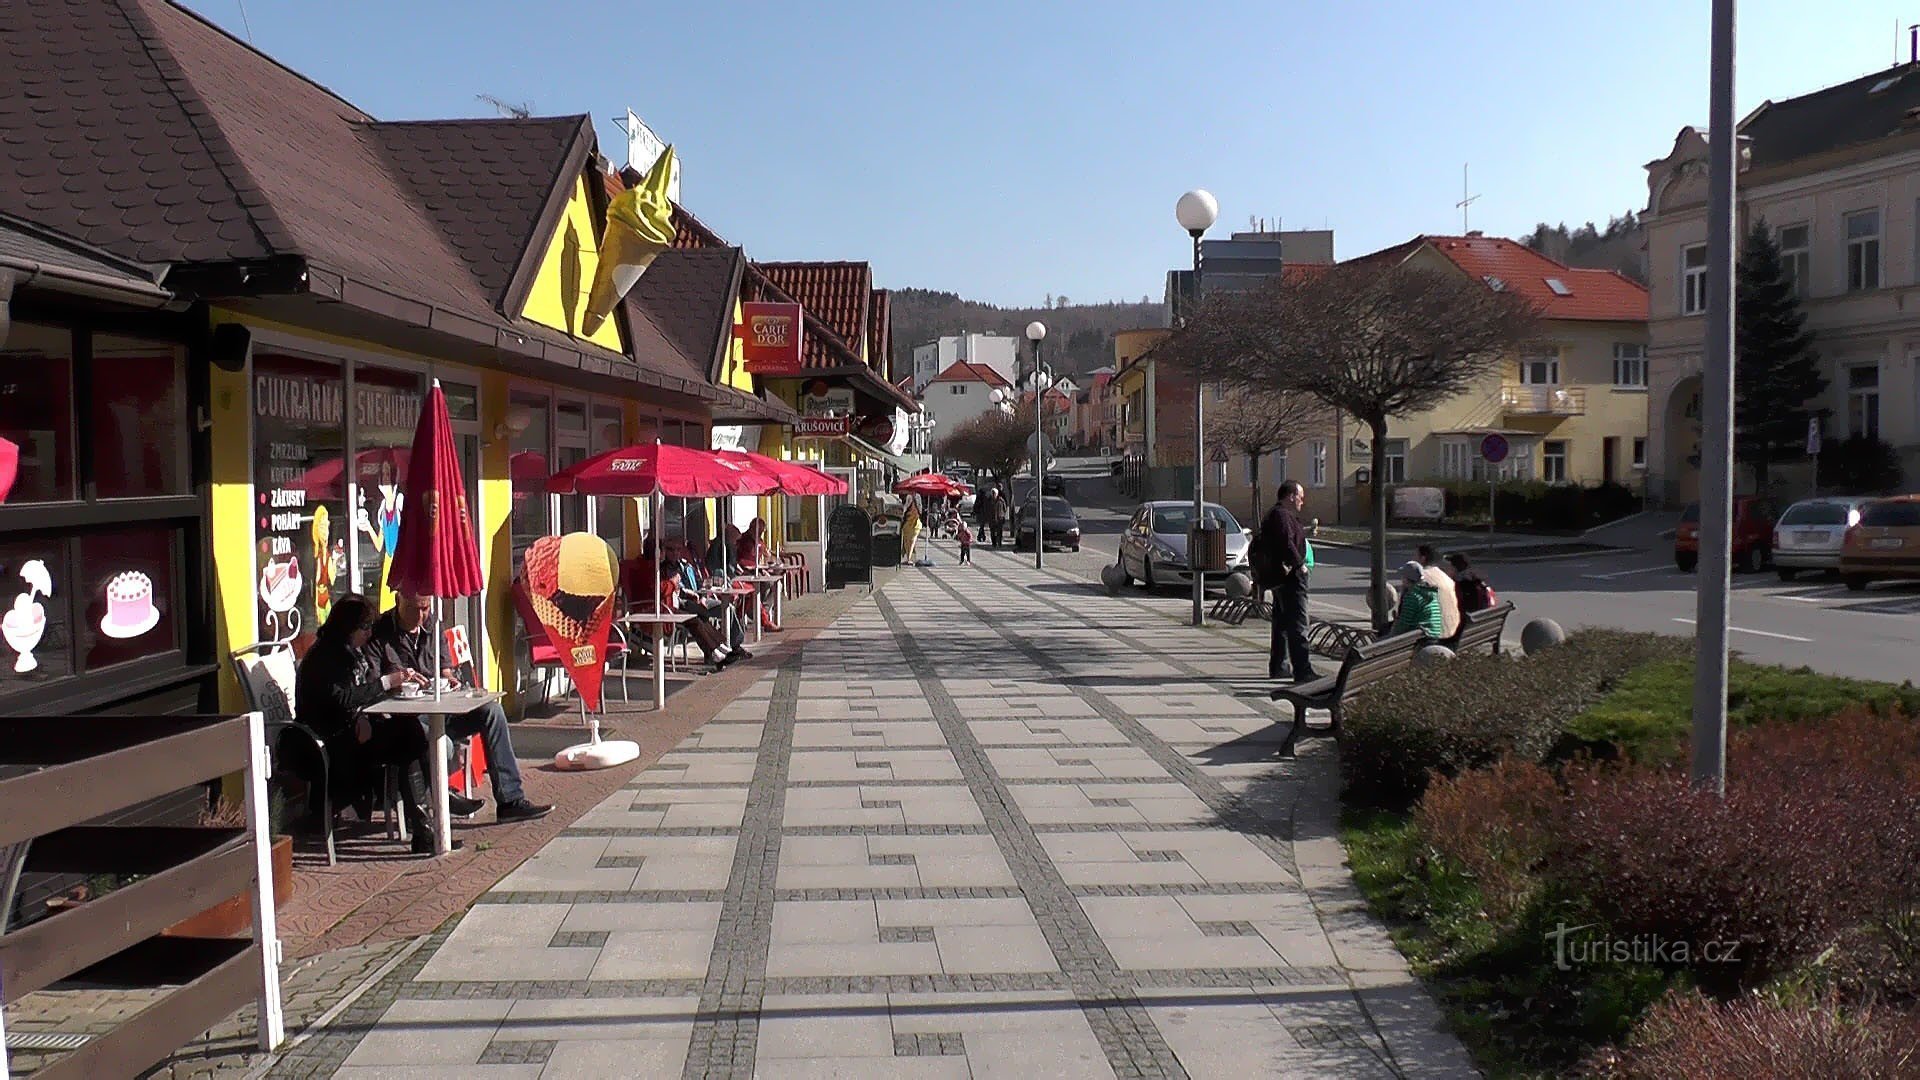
1008, 150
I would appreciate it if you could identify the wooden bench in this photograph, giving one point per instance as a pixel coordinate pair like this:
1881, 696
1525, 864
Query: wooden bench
1481, 628
1365, 664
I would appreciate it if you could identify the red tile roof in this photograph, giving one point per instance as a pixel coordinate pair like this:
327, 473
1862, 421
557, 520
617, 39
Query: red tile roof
962, 371
880, 332
1590, 295
839, 294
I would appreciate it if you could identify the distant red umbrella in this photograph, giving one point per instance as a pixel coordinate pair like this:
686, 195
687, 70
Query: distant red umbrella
435, 554
793, 477
368, 466
936, 484
660, 469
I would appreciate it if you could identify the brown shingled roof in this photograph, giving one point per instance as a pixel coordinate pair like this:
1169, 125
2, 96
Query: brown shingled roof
687, 297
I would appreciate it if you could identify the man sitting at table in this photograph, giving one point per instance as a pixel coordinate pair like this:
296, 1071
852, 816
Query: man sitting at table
404, 641
692, 599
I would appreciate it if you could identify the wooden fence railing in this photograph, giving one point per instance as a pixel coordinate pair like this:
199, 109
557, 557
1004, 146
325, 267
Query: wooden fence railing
86, 767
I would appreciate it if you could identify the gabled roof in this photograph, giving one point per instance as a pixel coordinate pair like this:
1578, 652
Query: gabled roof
840, 294
1585, 295
880, 331
685, 300
962, 371
1838, 116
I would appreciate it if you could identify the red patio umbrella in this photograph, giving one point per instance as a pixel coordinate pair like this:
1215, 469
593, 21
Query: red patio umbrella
659, 469
938, 484
435, 553
793, 477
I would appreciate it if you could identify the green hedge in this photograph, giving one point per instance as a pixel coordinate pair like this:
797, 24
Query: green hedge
1534, 504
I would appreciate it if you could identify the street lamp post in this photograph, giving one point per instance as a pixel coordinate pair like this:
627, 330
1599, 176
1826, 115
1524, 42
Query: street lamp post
1036, 333
1196, 212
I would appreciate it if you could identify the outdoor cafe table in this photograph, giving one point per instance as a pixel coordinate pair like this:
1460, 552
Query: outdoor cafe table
730, 595
436, 711
775, 580
657, 624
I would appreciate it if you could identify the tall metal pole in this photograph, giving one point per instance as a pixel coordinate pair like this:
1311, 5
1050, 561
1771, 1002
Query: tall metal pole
1199, 460
1716, 412
1039, 464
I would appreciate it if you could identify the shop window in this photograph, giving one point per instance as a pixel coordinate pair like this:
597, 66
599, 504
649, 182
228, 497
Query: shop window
609, 514
35, 622
139, 414
36, 411
463, 401
529, 470
386, 414
128, 595
300, 489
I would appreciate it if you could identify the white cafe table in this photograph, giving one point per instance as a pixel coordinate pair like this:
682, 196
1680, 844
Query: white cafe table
657, 624
778, 581
436, 711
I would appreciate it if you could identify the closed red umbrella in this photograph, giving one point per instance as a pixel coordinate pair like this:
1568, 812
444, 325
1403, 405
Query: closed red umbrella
435, 553
930, 484
659, 469
793, 477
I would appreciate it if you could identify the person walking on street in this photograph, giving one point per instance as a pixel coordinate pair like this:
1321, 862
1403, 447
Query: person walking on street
997, 519
1436, 575
1419, 604
1283, 552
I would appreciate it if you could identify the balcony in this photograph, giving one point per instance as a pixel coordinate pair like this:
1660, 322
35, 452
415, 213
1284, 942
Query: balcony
1543, 400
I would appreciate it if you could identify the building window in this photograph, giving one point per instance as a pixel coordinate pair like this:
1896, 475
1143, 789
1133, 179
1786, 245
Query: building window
1693, 279
386, 410
1863, 400
956, 388
1640, 453
1862, 228
1540, 369
1553, 461
1456, 463
1317, 463
36, 411
528, 468
1396, 461
1796, 256
300, 477
1630, 365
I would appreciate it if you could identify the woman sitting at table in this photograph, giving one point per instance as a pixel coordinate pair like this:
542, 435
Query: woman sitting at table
673, 591
754, 558
338, 679
701, 586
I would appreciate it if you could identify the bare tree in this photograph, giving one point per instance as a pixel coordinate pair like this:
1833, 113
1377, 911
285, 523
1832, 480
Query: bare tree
1257, 423
1373, 339
993, 442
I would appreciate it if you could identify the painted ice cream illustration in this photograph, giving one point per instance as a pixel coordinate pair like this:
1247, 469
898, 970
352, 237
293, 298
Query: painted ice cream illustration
26, 622
639, 228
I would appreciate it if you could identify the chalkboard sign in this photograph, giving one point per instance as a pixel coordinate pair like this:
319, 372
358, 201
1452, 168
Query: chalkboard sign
849, 547
886, 548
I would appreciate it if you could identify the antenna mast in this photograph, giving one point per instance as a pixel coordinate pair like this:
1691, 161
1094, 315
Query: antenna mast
1466, 200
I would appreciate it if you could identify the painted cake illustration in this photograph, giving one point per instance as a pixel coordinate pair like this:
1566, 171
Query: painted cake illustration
130, 610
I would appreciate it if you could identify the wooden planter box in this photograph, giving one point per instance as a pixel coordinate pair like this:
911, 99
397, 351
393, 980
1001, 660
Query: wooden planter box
233, 917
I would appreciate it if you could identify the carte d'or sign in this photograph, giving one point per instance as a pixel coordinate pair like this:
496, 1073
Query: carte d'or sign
770, 336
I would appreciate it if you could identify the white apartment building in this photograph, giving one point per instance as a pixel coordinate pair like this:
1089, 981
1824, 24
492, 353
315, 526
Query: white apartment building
990, 350
956, 395
1836, 175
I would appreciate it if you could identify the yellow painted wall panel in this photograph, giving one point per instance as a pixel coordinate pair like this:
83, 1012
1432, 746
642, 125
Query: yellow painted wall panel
559, 296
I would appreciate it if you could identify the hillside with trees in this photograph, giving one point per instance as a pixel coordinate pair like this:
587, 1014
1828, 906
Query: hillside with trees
1079, 336
1619, 247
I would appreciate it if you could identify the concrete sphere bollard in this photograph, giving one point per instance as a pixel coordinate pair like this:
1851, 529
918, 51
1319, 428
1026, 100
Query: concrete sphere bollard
1112, 577
1239, 586
1433, 656
1541, 634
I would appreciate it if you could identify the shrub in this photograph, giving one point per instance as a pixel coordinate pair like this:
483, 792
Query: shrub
1542, 505
1496, 825
1688, 1037
1479, 709
1859, 465
1815, 836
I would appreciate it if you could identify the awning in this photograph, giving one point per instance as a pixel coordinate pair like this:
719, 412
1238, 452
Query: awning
894, 461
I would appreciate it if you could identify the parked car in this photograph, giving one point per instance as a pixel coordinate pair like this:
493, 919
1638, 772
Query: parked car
1153, 549
1885, 545
1057, 517
1810, 534
1752, 535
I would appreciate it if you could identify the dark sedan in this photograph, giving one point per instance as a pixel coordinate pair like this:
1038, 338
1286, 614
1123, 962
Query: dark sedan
1062, 526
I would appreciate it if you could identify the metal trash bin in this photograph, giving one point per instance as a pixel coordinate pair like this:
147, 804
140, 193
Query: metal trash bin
1207, 548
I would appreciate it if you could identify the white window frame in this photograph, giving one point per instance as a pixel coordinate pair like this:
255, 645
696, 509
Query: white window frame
1548, 364
1797, 256
1396, 462
1693, 280
1640, 451
1629, 365
1863, 403
1862, 253
1553, 460
1456, 460
1317, 463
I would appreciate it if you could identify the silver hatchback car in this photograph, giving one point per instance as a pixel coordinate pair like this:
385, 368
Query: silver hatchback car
1153, 550
1810, 534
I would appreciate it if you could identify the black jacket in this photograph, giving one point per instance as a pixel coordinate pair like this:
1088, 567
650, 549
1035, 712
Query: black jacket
335, 682
1283, 547
395, 649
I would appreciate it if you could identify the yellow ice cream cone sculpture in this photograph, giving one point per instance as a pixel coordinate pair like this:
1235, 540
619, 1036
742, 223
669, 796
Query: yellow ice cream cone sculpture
639, 227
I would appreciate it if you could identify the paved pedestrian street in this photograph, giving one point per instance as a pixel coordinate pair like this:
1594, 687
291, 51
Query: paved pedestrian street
991, 824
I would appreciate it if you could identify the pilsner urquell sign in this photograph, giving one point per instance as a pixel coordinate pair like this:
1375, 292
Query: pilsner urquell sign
770, 337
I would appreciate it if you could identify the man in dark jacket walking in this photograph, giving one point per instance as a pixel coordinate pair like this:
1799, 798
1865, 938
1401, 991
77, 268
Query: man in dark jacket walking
1283, 557
997, 517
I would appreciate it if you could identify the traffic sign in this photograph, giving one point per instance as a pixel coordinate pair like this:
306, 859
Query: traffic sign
1220, 454
1493, 448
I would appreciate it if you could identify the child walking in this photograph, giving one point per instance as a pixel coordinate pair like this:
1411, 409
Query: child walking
966, 542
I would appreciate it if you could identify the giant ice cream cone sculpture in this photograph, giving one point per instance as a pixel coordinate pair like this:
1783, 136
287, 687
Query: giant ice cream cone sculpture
639, 227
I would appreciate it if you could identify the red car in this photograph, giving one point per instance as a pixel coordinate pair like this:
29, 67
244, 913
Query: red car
1753, 519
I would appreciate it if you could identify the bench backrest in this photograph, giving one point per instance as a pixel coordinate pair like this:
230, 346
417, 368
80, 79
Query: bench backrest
1376, 660
1483, 627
